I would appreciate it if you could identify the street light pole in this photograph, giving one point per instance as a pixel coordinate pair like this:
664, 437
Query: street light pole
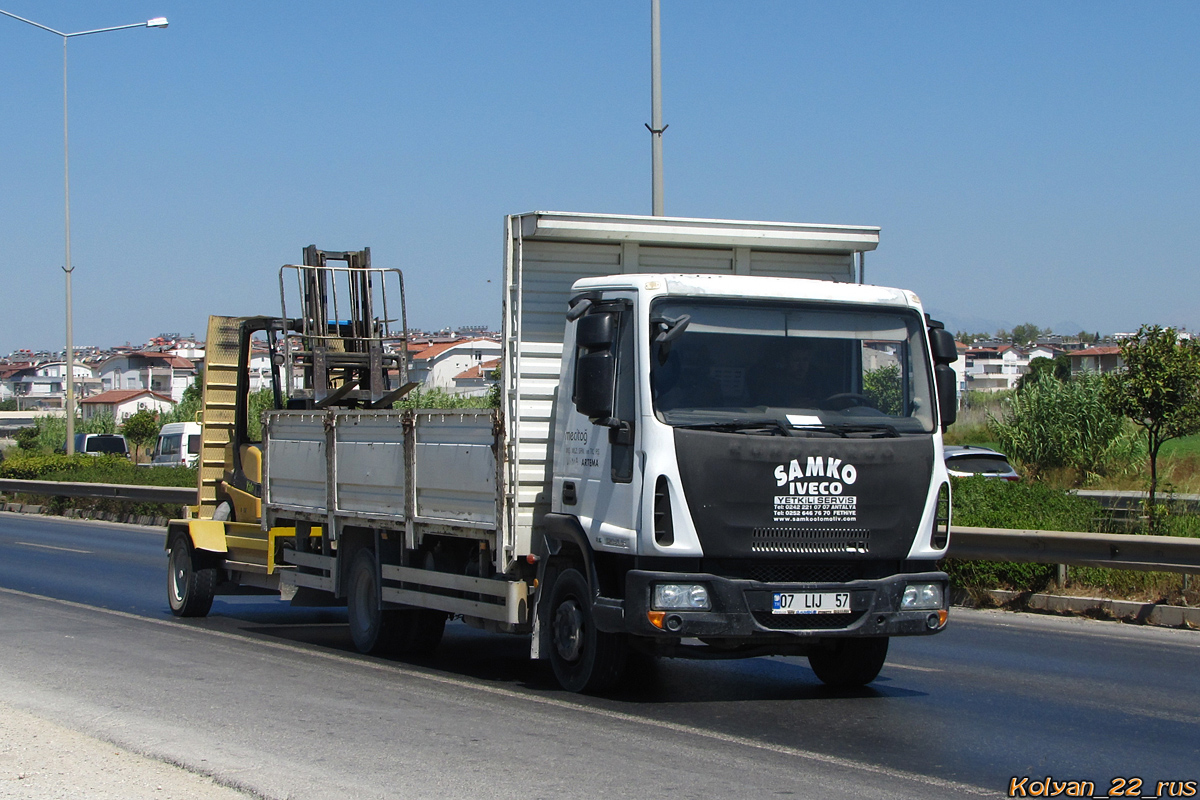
69, 400
656, 126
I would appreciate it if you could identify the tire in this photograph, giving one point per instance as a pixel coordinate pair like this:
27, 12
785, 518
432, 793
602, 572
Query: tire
375, 631
583, 658
850, 662
190, 588
386, 631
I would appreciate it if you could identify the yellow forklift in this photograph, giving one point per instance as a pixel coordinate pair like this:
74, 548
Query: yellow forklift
337, 353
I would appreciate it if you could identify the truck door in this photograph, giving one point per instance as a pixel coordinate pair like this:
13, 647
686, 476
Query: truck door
600, 481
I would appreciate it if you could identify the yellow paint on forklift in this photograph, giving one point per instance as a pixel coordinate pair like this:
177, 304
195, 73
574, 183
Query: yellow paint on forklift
246, 543
283, 533
208, 534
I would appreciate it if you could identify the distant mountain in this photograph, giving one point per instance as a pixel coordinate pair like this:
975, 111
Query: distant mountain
972, 323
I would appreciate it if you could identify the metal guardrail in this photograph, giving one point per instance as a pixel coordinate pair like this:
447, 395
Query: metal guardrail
1114, 550
143, 494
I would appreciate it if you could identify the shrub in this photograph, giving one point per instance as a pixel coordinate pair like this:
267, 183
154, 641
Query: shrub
49, 434
439, 398
1051, 424
989, 503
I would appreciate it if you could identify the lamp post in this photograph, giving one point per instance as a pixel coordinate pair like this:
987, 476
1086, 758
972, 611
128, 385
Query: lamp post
69, 403
656, 126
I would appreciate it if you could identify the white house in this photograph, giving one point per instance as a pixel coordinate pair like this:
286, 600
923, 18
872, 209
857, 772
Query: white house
477, 380
164, 373
121, 403
994, 369
438, 365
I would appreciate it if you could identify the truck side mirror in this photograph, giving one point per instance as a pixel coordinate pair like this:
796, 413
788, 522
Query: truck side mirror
595, 379
595, 366
947, 391
941, 342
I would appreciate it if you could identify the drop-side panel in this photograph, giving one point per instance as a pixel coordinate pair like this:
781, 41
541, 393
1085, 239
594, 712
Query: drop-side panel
370, 470
455, 472
295, 463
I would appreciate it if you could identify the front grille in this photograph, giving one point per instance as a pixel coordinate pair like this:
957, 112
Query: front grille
811, 541
807, 622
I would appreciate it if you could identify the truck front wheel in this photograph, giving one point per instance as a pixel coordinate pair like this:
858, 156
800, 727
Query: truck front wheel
583, 658
190, 588
850, 662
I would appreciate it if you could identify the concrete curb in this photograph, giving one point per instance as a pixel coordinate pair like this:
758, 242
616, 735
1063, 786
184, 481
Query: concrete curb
104, 516
1130, 611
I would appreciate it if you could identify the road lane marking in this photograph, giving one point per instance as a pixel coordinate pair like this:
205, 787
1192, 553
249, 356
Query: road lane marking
52, 547
909, 666
497, 691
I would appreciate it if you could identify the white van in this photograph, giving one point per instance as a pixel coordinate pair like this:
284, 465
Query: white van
178, 445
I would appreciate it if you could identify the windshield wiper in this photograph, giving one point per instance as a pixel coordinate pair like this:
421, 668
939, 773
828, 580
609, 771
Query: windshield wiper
751, 426
844, 429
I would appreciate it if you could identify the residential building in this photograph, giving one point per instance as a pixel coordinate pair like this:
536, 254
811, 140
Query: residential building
437, 366
121, 403
1096, 359
477, 380
163, 373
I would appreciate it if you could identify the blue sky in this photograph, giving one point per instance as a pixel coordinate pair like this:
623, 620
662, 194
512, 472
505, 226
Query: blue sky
1028, 162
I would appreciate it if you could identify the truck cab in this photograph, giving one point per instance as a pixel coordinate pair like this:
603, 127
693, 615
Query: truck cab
756, 463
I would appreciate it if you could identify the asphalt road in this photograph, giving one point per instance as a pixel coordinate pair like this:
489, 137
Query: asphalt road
274, 699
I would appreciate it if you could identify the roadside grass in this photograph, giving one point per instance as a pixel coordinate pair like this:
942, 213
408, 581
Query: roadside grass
981, 502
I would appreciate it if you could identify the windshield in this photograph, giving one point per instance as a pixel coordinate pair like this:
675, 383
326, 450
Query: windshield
790, 367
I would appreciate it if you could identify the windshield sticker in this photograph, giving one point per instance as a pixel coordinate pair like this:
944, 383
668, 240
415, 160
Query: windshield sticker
816, 491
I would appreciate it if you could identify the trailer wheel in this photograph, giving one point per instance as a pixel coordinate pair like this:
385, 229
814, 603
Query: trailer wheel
583, 658
850, 662
190, 588
375, 630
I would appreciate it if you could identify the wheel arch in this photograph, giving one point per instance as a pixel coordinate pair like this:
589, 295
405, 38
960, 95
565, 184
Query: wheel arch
204, 535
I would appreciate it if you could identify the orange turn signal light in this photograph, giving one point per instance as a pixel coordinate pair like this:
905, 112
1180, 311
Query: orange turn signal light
943, 615
656, 618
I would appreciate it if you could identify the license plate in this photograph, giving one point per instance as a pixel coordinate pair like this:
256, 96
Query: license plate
810, 603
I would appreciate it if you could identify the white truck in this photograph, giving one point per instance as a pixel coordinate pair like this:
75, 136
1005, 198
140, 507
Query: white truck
712, 441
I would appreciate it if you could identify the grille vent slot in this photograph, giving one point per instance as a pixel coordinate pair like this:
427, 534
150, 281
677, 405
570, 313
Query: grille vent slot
811, 541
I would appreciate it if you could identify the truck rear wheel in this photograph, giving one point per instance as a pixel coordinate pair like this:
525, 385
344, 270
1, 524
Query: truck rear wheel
583, 658
386, 631
375, 631
190, 588
850, 662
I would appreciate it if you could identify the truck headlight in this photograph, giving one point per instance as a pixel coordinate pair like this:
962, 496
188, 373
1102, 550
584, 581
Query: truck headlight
692, 596
921, 596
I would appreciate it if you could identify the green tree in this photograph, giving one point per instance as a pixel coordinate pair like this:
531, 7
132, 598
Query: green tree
1159, 389
1058, 368
1026, 333
187, 409
884, 388
1052, 424
966, 337
141, 428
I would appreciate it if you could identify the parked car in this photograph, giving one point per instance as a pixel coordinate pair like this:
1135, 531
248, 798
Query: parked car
178, 445
100, 444
968, 460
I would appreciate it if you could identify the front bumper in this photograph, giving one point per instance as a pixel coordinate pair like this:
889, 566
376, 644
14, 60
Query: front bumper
741, 609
